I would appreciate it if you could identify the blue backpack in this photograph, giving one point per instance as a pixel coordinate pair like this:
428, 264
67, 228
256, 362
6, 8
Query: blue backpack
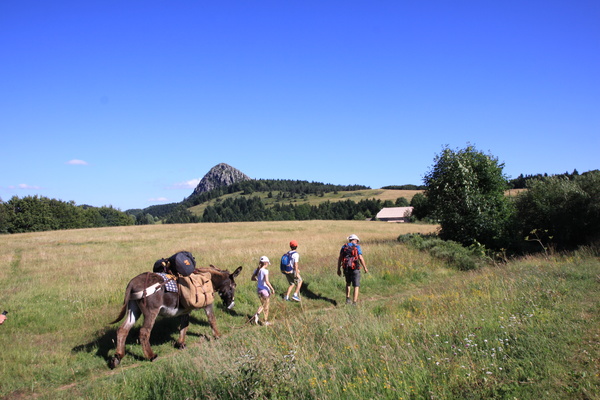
287, 262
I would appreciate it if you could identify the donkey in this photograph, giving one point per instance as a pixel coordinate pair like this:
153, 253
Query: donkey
145, 294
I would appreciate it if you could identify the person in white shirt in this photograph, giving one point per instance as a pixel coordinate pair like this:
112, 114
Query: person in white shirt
264, 289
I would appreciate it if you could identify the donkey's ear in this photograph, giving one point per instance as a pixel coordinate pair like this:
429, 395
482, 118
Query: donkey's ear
236, 272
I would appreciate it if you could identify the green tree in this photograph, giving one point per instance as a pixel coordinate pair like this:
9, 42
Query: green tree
421, 209
401, 202
6, 218
30, 214
564, 211
181, 215
465, 190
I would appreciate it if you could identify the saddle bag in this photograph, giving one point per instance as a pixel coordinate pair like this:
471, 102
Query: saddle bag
195, 290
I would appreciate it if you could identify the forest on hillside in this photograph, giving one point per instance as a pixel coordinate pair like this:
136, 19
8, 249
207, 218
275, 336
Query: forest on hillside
254, 209
242, 210
287, 188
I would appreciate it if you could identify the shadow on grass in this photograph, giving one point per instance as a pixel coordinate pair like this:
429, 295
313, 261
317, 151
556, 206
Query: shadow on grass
309, 294
165, 330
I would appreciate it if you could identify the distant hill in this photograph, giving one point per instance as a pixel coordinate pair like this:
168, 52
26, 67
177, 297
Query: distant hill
219, 176
227, 194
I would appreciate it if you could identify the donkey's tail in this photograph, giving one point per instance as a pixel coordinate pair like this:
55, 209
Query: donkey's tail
124, 307
121, 315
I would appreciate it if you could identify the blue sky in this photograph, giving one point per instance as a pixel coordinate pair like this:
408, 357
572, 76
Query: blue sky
130, 103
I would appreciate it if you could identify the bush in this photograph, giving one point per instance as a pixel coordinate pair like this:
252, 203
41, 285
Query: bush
566, 211
453, 253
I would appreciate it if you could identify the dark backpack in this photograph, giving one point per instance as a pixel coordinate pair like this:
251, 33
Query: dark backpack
287, 262
183, 262
350, 256
161, 266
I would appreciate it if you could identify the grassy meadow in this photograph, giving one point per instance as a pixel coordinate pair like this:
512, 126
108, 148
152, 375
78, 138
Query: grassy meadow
528, 329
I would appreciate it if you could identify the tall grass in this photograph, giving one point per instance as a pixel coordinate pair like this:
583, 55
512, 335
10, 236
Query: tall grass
527, 329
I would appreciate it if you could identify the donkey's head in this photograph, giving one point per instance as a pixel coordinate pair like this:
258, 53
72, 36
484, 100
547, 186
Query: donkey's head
226, 287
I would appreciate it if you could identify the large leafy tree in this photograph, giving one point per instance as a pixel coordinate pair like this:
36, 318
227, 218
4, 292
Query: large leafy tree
465, 191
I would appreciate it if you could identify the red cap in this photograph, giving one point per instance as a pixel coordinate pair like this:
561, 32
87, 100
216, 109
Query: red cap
293, 243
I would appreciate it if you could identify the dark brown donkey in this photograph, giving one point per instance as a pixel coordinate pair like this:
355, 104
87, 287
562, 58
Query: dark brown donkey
157, 302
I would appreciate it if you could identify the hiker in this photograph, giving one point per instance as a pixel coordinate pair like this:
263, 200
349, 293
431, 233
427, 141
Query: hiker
351, 259
264, 289
289, 267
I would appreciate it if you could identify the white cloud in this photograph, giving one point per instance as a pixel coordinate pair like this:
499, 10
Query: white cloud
158, 200
25, 187
76, 162
191, 184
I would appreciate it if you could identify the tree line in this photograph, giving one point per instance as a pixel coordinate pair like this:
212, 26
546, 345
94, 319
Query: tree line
287, 188
35, 214
522, 181
253, 209
465, 195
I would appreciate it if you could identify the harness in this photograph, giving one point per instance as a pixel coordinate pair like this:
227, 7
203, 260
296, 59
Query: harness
168, 282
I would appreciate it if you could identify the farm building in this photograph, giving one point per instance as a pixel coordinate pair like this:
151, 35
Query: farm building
395, 214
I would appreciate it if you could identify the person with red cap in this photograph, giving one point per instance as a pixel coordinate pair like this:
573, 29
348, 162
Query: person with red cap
293, 277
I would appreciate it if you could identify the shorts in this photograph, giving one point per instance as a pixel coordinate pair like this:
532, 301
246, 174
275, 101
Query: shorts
264, 293
352, 277
293, 279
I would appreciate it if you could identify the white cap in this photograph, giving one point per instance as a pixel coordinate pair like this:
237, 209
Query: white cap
353, 237
265, 259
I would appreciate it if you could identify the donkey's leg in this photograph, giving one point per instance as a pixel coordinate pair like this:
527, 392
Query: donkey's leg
146, 330
184, 323
212, 320
133, 313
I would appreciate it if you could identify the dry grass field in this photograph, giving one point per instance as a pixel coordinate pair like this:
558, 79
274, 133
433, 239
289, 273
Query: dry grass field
525, 330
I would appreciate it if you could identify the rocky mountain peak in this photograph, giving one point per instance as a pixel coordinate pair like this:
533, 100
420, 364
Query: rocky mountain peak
218, 176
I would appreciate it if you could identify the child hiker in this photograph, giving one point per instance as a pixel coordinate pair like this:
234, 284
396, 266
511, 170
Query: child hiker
264, 289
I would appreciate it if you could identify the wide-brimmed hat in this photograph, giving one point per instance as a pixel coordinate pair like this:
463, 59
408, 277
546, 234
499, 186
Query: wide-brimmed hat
353, 237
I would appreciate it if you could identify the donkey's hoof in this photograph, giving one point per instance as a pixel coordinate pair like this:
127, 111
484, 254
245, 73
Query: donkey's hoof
180, 346
153, 358
114, 362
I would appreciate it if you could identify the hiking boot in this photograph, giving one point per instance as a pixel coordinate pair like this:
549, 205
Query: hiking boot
348, 301
255, 319
296, 297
